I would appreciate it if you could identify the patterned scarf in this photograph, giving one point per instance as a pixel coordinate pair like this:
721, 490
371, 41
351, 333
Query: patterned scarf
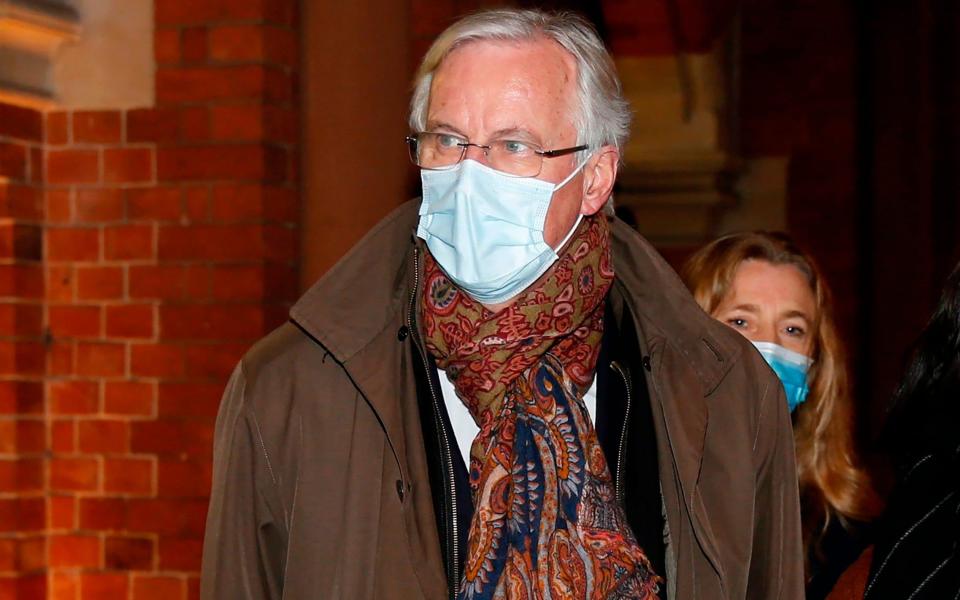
546, 522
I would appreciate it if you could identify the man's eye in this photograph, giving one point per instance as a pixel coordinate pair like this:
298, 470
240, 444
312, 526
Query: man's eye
738, 323
514, 147
448, 141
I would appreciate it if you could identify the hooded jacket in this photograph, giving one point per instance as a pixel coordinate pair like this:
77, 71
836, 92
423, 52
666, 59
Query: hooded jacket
321, 485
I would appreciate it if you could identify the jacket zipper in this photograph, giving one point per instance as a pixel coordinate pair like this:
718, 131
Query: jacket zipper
618, 482
453, 542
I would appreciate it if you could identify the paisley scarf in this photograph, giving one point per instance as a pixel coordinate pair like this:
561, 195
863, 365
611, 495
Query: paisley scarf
546, 522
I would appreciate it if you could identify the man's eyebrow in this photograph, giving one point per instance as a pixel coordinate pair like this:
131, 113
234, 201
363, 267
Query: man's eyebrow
440, 125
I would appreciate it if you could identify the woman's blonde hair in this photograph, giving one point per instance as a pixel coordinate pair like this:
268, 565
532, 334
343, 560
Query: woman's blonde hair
831, 481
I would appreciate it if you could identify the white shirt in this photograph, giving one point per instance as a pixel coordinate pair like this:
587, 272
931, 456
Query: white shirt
464, 429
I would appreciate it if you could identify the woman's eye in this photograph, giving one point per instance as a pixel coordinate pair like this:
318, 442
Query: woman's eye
795, 331
738, 323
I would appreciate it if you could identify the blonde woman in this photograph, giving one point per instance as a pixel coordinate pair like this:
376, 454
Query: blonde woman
769, 290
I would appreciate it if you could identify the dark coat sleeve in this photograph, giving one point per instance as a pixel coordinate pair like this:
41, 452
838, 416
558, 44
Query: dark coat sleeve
243, 557
776, 570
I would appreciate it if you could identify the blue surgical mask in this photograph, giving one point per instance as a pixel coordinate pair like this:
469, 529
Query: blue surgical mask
791, 367
485, 228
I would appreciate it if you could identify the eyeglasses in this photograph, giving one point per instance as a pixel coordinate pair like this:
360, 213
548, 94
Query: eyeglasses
429, 150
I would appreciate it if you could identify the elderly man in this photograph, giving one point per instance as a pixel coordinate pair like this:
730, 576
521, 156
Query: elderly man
501, 392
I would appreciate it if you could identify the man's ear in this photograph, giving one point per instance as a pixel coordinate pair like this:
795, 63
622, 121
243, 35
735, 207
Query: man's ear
599, 174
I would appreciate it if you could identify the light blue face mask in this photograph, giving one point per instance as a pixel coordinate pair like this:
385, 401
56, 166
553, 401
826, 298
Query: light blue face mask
791, 367
485, 228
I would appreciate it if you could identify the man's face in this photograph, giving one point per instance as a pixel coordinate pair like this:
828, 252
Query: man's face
522, 91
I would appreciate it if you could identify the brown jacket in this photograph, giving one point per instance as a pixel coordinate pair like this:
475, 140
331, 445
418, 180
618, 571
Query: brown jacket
320, 485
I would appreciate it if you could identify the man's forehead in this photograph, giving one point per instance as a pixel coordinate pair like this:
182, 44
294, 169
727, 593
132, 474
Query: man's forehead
499, 80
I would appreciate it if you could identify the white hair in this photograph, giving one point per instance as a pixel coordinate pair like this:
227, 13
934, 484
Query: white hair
602, 116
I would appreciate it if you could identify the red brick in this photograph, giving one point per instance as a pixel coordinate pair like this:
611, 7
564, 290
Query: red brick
64, 585
234, 122
219, 322
155, 204
73, 474
184, 479
213, 360
57, 127
282, 243
156, 360
74, 551
173, 517
191, 13
99, 205
103, 436
205, 84
281, 124
98, 127
21, 398
100, 360
249, 162
21, 202
128, 165
73, 397
172, 437
63, 435
104, 514
72, 244
24, 281
189, 399
128, 242
196, 204
20, 241
74, 321
99, 283
133, 398
21, 319
130, 321
129, 553
59, 283
128, 475
73, 166
19, 122
237, 43
152, 125
166, 46
178, 554
62, 512
29, 436
13, 161
21, 476
193, 45
156, 587
35, 165
22, 358
60, 357
170, 282
58, 206
104, 586
202, 242
239, 283
22, 514
193, 124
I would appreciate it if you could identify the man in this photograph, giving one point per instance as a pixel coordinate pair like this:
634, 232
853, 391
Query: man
501, 392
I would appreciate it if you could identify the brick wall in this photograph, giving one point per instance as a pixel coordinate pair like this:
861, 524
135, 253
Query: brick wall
154, 248
23, 427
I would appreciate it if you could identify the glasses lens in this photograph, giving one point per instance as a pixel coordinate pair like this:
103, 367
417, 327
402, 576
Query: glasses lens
437, 150
521, 159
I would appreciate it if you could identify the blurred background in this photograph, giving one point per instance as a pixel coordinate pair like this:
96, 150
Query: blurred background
173, 173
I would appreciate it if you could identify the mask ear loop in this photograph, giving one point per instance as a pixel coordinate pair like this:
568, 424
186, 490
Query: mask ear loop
576, 223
